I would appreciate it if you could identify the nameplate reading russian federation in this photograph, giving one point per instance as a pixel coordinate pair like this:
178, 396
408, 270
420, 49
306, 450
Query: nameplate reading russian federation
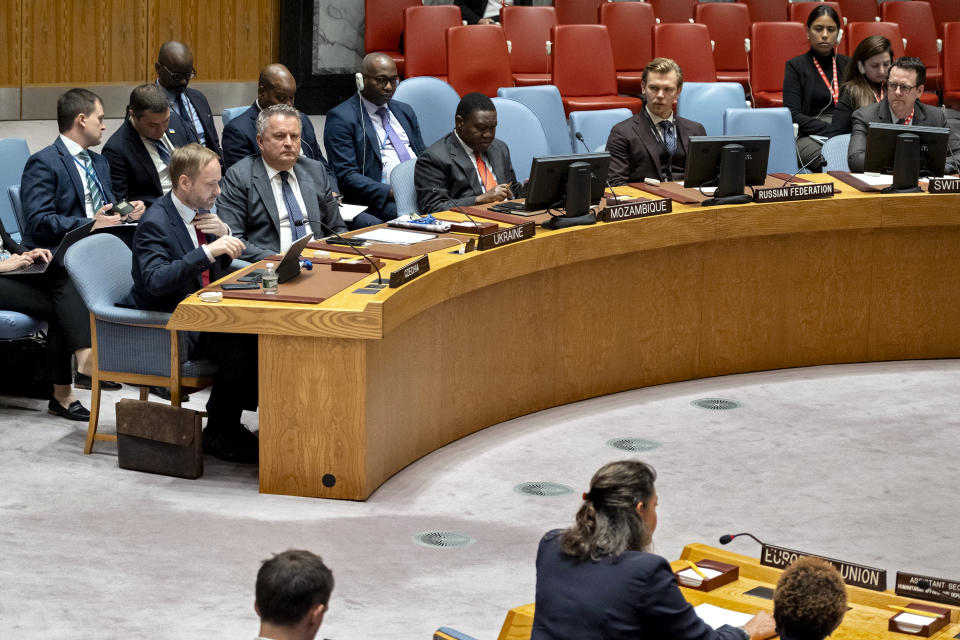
857, 575
629, 210
408, 272
806, 191
943, 185
506, 236
912, 585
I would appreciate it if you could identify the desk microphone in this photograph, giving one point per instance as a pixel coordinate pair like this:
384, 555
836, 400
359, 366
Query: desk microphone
323, 224
579, 137
725, 539
440, 192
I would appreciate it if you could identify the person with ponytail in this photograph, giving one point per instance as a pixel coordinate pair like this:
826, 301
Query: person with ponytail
597, 580
863, 82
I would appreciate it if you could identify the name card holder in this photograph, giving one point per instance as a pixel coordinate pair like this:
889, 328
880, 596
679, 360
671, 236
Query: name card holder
480, 229
943, 185
635, 209
408, 272
915, 625
356, 266
791, 192
506, 236
727, 573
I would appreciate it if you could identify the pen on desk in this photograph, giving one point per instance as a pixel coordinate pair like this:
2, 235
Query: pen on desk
917, 612
697, 569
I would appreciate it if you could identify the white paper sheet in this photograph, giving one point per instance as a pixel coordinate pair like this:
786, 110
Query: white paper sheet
350, 211
394, 236
690, 578
716, 616
874, 179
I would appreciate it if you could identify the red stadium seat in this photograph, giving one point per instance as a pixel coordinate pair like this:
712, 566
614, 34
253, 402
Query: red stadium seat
944, 11
577, 11
383, 27
528, 30
917, 26
767, 10
673, 10
771, 45
951, 65
630, 25
857, 31
800, 11
859, 11
477, 59
586, 82
426, 40
689, 45
729, 26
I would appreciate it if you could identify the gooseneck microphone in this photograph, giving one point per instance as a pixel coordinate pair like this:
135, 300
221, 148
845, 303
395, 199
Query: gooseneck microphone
579, 137
725, 539
443, 194
323, 224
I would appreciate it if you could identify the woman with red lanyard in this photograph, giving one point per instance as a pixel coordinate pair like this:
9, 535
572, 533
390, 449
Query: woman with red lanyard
811, 84
863, 83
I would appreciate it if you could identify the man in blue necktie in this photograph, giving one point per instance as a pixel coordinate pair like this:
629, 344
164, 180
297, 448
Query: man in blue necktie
190, 109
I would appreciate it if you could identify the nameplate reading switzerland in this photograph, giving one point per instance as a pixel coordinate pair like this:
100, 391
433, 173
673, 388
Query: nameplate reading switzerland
408, 272
630, 210
857, 575
912, 585
506, 236
806, 191
943, 185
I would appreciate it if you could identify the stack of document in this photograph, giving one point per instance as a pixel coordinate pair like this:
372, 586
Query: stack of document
716, 617
690, 578
394, 236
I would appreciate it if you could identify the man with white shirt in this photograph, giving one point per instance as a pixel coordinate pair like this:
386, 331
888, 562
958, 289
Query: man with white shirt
271, 200
65, 185
292, 595
180, 247
139, 151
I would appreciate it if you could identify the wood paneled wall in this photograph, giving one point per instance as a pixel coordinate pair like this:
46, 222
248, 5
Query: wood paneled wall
10, 16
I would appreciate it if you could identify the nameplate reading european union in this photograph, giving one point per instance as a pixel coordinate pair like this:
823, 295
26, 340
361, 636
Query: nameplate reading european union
506, 236
943, 185
807, 191
629, 210
912, 585
408, 272
857, 575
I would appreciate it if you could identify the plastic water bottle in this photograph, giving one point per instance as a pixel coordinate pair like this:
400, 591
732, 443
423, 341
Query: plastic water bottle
269, 281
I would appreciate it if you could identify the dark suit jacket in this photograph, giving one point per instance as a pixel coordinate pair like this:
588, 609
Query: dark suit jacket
354, 150
634, 596
132, 172
240, 139
52, 194
635, 151
447, 167
472, 10
923, 116
247, 204
805, 93
206, 119
166, 266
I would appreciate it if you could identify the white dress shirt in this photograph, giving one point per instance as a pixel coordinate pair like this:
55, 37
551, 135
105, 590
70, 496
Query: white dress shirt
286, 234
165, 183
493, 7
74, 150
388, 155
187, 215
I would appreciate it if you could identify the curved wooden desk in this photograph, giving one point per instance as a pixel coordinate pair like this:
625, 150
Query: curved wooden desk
358, 387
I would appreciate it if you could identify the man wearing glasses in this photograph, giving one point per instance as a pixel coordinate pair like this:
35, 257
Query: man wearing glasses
367, 136
901, 105
189, 108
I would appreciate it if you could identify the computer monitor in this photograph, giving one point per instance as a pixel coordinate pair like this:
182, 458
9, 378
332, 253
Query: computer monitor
906, 160
729, 163
548, 179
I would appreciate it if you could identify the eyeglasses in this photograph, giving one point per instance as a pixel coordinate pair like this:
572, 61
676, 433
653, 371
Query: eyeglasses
383, 81
182, 75
893, 87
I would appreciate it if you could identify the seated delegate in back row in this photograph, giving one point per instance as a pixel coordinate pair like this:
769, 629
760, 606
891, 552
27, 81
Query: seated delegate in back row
901, 105
811, 84
596, 580
468, 166
864, 82
653, 143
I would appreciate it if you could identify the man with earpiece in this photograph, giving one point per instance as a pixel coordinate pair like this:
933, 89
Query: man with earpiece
367, 136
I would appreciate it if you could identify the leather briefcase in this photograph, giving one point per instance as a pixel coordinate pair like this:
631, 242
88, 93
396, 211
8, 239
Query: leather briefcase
159, 438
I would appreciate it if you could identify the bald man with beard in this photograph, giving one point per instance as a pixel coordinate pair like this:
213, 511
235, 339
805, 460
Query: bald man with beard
189, 109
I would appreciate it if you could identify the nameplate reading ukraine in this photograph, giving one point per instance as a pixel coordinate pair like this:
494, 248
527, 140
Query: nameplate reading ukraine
943, 185
806, 191
506, 236
629, 210
857, 575
408, 272
912, 585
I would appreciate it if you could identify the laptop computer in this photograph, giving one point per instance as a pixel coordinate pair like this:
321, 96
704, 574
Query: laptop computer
289, 267
68, 241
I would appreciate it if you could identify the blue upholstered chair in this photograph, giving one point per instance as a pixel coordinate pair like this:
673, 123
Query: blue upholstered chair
520, 128
13, 156
546, 104
232, 112
595, 126
13, 324
404, 193
774, 122
446, 633
128, 345
435, 103
835, 152
705, 102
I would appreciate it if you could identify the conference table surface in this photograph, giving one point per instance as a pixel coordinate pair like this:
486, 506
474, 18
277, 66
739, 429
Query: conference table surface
867, 618
357, 387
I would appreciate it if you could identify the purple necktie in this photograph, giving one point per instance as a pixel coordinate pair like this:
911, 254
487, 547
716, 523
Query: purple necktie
398, 145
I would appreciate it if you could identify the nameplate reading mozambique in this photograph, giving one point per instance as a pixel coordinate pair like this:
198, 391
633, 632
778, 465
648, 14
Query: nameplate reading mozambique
912, 585
630, 210
405, 274
856, 575
943, 185
506, 236
807, 191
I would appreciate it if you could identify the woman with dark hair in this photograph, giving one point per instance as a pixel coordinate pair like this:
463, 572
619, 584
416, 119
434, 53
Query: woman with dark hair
810, 600
811, 84
863, 82
596, 580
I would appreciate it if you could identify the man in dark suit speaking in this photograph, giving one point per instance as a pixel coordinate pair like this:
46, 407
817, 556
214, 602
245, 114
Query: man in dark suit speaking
654, 142
175, 70
901, 105
272, 200
469, 165
368, 135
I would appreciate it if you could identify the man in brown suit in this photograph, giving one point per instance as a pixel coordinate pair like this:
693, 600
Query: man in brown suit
653, 143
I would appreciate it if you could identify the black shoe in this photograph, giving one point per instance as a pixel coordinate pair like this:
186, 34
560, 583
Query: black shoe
231, 445
164, 393
82, 381
75, 411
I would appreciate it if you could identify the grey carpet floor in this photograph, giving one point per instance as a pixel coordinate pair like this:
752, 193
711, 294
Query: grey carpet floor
855, 462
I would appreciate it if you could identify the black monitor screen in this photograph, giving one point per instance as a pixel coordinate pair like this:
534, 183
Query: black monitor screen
548, 179
882, 146
703, 159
